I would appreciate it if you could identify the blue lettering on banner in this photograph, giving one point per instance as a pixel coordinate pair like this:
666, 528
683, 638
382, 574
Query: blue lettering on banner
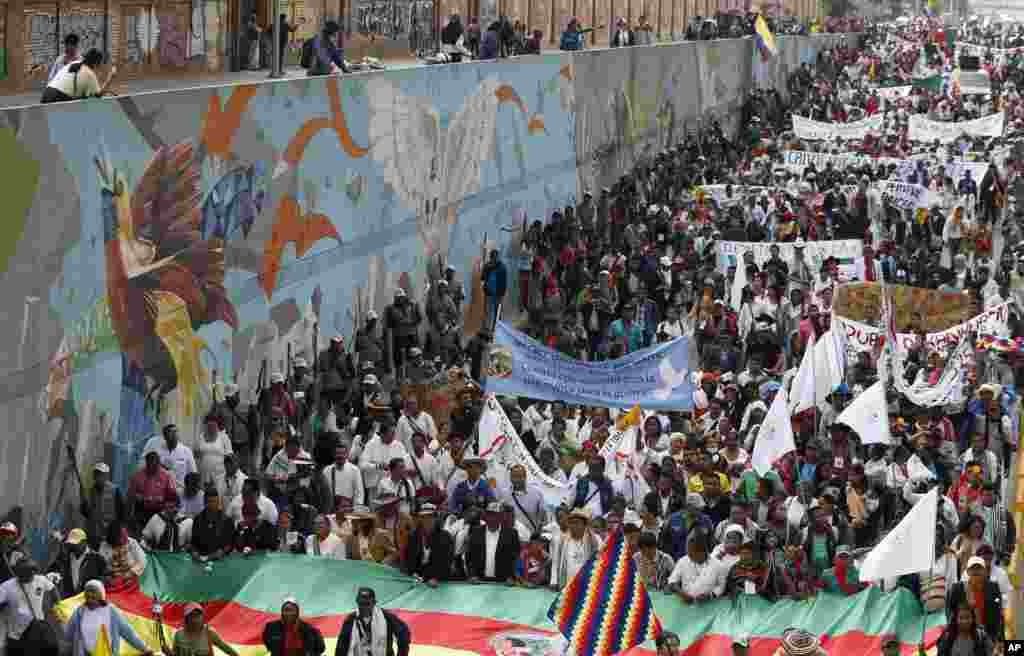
657, 377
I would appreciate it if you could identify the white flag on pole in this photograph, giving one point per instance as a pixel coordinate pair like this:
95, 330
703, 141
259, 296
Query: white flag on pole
910, 547
868, 416
738, 283
826, 369
802, 389
774, 436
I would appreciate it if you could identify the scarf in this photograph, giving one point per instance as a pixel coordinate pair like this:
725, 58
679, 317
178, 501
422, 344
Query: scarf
369, 640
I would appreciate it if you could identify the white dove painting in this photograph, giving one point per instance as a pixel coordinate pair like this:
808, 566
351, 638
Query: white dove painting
671, 377
432, 159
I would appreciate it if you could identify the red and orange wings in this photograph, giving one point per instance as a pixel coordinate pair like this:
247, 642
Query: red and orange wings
165, 212
292, 226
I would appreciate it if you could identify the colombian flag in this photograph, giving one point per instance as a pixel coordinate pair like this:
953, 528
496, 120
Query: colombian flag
240, 594
765, 39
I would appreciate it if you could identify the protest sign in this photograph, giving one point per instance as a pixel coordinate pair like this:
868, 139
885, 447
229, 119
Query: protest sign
916, 307
923, 129
805, 128
847, 251
656, 377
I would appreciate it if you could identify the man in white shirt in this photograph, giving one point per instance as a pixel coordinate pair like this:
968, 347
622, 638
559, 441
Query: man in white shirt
343, 480
414, 422
175, 457
423, 469
527, 502
690, 569
543, 431
234, 478
323, 542
725, 555
571, 550
396, 484
26, 597
377, 455
251, 491
168, 530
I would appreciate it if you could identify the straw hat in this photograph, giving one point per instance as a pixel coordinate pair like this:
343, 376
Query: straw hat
798, 642
359, 512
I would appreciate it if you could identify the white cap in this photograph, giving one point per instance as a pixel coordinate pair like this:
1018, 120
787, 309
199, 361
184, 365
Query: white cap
369, 379
276, 377
101, 467
371, 315
976, 560
301, 362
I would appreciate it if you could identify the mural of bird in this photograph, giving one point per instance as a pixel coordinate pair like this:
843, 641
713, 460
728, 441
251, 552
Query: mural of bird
164, 281
432, 159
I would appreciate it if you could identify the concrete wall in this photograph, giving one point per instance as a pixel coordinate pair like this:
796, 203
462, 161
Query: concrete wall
323, 190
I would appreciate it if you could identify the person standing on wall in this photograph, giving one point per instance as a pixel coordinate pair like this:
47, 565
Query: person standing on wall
328, 55
495, 280
78, 80
70, 56
284, 35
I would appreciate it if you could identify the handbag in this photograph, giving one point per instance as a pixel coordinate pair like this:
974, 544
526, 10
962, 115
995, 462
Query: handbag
40, 635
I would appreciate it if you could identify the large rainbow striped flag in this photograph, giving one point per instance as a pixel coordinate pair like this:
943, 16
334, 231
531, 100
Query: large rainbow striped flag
605, 608
240, 594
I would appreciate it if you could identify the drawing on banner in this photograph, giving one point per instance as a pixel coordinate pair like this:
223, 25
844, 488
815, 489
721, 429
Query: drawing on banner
500, 361
916, 308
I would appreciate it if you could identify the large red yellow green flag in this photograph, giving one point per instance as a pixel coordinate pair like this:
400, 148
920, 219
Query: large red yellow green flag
241, 594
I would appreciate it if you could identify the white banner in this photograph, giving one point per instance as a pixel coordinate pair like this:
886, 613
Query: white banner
501, 446
906, 196
721, 193
805, 128
863, 337
923, 129
892, 93
847, 251
798, 160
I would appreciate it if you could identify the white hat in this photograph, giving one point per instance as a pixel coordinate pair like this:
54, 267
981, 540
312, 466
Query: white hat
631, 518
301, 362
371, 315
665, 261
975, 560
101, 467
276, 377
399, 292
415, 351
369, 379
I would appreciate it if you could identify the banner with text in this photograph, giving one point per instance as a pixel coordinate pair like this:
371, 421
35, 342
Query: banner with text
864, 337
805, 128
847, 251
923, 129
798, 160
656, 377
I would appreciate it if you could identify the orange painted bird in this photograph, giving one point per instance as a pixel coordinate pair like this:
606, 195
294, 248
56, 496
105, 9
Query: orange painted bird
163, 280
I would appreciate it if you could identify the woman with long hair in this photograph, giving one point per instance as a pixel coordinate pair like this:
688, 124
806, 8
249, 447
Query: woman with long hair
966, 636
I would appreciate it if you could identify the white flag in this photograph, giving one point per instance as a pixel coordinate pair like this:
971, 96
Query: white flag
910, 547
802, 389
738, 283
868, 416
827, 374
774, 436
501, 447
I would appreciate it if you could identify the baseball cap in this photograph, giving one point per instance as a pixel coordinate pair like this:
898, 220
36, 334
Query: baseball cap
101, 467
975, 560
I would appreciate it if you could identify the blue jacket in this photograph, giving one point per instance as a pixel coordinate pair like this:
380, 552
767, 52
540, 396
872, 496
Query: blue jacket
495, 277
119, 627
571, 40
489, 45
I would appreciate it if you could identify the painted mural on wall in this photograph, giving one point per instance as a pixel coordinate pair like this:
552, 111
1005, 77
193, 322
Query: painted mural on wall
173, 40
197, 233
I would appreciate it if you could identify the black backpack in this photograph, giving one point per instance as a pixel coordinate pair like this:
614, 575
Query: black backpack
308, 53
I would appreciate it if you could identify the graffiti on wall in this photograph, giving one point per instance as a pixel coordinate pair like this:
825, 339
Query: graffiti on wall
197, 30
199, 232
42, 42
173, 41
88, 23
388, 19
141, 33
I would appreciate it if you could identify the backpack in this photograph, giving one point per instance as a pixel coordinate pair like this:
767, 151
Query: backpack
306, 58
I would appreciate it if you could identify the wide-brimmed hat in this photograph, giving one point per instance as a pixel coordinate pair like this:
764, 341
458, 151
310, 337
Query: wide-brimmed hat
798, 642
